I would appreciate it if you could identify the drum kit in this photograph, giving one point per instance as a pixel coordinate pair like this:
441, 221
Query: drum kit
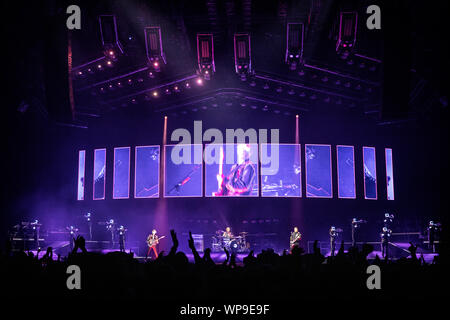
233, 243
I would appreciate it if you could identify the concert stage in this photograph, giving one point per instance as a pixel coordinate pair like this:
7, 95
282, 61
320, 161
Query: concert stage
166, 126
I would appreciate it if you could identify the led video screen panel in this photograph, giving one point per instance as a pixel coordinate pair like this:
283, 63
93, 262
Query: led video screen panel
99, 174
318, 171
389, 174
146, 175
280, 170
346, 172
184, 170
370, 173
231, 170
81, 173
121, 177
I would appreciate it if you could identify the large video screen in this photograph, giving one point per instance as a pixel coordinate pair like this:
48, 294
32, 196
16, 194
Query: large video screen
146, 175
121, 177
81, 174
346, 172
280, 170
231, 170
370, 173
318, 171
389, 174
99, 174
184, 170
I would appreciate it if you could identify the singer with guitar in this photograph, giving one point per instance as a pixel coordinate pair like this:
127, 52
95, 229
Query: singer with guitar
295, 238
152, 242
240, 180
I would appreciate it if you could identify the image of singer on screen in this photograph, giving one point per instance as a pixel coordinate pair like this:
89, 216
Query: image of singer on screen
240, 179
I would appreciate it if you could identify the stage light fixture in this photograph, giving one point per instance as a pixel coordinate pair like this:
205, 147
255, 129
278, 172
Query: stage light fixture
242, 55
155, 94
205, 55
154, 49
199, 81
348, 22
294, 45
109, 36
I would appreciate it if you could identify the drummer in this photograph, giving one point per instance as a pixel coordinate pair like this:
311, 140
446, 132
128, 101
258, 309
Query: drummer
227, 235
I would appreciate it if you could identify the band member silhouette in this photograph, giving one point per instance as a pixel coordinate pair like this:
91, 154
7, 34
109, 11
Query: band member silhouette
333, 236
152, 241
295, 238
385, 237
121, 231
240, 180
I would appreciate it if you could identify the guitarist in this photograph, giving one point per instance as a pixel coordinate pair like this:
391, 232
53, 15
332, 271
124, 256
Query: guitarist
152, 242
240, 179
295, 238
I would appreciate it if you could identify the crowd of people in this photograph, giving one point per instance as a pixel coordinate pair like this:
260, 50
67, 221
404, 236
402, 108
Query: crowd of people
267, 275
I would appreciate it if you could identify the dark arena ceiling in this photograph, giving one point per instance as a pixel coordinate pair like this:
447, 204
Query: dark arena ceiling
358, 81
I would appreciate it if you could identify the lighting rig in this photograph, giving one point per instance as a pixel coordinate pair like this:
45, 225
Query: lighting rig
205, 55
310, 72
154, 48
348, 23
112, 47
242, 55
294, 45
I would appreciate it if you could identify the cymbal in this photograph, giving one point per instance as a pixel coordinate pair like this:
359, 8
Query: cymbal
243, 232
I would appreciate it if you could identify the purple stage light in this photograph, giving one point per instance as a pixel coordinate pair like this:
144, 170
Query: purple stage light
370, 173
146, 174
345, 157
99, 175
81, 174
318, 171
283, 179
389, 174
183, 170
121, 175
